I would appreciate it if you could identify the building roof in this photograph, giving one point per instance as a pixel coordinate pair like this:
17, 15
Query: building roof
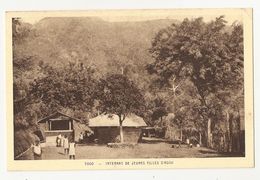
112, 120
57, 113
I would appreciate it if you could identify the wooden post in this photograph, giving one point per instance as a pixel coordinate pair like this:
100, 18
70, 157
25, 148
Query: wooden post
50, 126
200, 139
70, 125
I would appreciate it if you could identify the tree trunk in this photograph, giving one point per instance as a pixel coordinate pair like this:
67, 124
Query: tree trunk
239, 133
200, 141
231, 134
209, 134
229, 142
181, 133
121, 129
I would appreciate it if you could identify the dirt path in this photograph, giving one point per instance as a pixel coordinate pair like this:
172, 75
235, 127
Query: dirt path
159, 150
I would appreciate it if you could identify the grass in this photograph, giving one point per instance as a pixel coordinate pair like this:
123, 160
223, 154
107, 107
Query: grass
142, 150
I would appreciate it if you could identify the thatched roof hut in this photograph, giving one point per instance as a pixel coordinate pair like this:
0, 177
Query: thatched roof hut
106, 128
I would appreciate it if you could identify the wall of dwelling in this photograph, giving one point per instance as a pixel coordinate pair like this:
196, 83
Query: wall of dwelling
111, 134
132, 134
106, 134
51, 135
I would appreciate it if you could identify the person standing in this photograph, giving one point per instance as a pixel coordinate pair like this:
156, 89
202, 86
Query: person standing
62, 141
81, 137
59, 140
188, 142
66, 145
37, 151
72, 146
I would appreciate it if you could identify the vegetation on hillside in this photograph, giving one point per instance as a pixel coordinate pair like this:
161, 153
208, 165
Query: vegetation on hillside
185, 74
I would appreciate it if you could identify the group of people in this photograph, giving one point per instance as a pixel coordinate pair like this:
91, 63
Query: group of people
69, 146
61, 141
188, 144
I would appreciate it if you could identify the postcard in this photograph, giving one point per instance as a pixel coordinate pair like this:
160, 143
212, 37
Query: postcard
129, 89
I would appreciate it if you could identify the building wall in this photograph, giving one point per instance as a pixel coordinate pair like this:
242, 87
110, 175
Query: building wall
111, 134
50, 136
132, 134
106, 134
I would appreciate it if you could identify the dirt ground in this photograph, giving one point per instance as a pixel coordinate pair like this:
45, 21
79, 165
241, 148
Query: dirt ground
142, 150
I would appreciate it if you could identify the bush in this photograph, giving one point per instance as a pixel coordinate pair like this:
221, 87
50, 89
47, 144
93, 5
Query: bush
23, 139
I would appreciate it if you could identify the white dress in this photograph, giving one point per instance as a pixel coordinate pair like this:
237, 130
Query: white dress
72, 149
66, 143
37, 149
62, 141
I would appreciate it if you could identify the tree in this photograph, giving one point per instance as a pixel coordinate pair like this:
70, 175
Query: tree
69, 86
159, 109
202, 52
232, 104
25, 114
118, 95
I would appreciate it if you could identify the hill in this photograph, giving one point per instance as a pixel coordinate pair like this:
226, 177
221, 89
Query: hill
108, 46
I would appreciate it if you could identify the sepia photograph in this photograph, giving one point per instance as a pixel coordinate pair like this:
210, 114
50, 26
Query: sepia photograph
133, 84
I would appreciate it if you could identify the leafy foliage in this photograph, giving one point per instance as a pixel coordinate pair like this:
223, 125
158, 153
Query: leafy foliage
69, 86
159, 108
118, 95
195, 71
210, 55
200, 51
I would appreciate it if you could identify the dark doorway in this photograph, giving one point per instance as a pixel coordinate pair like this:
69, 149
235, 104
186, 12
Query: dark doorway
60, 125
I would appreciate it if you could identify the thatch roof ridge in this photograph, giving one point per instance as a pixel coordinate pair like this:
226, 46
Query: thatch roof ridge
61, 113
112, 120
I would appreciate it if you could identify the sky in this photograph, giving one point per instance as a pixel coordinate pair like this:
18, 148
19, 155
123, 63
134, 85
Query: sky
231, 15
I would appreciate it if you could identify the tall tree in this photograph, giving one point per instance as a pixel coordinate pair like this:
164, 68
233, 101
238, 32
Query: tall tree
25, 114
118, 95
201, 52
67, 86
159, 109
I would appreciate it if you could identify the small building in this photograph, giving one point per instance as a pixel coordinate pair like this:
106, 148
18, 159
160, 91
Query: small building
149, 132
158, 132
60, 123
106, 128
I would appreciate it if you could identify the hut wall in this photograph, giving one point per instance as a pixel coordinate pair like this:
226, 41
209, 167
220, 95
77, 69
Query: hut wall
132, 134
46, 133
111, 134
106, 134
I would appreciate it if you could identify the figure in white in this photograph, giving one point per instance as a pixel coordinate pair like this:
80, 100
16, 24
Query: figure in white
72, 146
66, 145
